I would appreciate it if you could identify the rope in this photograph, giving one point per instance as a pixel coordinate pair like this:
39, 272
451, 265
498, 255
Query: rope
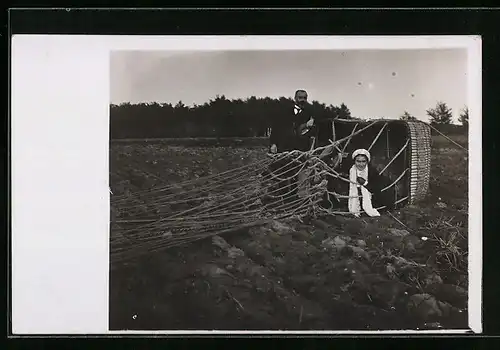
350, 138
377, 137
446, 137
298, 207
219, 176
395, 181
248, 184
177, 214
394, 158
216, 209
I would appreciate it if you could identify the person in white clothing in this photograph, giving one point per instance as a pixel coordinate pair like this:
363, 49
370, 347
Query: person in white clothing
360, 196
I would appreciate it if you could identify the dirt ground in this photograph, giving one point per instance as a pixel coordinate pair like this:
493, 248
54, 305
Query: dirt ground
404, 271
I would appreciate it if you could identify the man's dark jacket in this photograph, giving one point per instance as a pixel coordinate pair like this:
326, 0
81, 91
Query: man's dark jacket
285, 132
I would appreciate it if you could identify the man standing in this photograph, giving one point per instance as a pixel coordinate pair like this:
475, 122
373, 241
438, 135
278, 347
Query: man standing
292, 131
289, 132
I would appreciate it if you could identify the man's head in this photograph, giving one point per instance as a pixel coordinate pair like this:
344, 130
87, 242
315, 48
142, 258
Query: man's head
301, 98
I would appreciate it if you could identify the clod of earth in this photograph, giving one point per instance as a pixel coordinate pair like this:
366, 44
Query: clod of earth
214, 271
358, 251
335, 243
455, 295
360, 243
410, 243
390, 271
350, 266
402, 263
427, 307
382, 291
397, 232
234, 252
399, 264
346, 239
433, 325
389, 291
353, 227
321, 224
280, 227
220, 242
432, 278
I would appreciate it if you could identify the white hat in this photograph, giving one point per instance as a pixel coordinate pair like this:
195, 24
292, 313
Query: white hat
361, 151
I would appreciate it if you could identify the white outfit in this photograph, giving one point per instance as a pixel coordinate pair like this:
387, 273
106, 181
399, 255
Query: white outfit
354, 173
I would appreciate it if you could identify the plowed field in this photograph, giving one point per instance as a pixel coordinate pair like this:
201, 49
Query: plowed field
404, 271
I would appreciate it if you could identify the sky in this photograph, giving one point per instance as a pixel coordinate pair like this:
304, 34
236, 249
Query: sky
372, 83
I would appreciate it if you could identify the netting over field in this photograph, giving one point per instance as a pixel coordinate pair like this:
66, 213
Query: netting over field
168, 216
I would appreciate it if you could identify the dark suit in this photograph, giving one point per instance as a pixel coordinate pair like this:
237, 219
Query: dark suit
375, 185
285, 131
285, 134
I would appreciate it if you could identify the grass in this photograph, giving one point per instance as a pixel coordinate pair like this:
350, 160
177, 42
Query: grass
449, 242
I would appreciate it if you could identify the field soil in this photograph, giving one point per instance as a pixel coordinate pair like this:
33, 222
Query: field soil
404, 270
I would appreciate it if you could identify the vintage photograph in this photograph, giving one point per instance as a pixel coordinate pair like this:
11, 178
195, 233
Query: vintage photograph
319, 190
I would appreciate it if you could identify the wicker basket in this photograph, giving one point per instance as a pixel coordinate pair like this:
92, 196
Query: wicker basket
408, 142
420, 160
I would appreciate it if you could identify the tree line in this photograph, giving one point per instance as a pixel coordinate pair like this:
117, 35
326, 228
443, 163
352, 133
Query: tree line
222, 117
441, 118
219, 117
441, 115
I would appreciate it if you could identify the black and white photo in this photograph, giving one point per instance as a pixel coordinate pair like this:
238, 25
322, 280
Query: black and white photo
246, 184
280, 189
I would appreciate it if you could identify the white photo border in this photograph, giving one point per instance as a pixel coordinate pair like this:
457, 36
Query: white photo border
60, 169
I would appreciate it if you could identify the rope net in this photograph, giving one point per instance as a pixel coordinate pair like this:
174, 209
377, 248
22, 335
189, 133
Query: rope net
280, 186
